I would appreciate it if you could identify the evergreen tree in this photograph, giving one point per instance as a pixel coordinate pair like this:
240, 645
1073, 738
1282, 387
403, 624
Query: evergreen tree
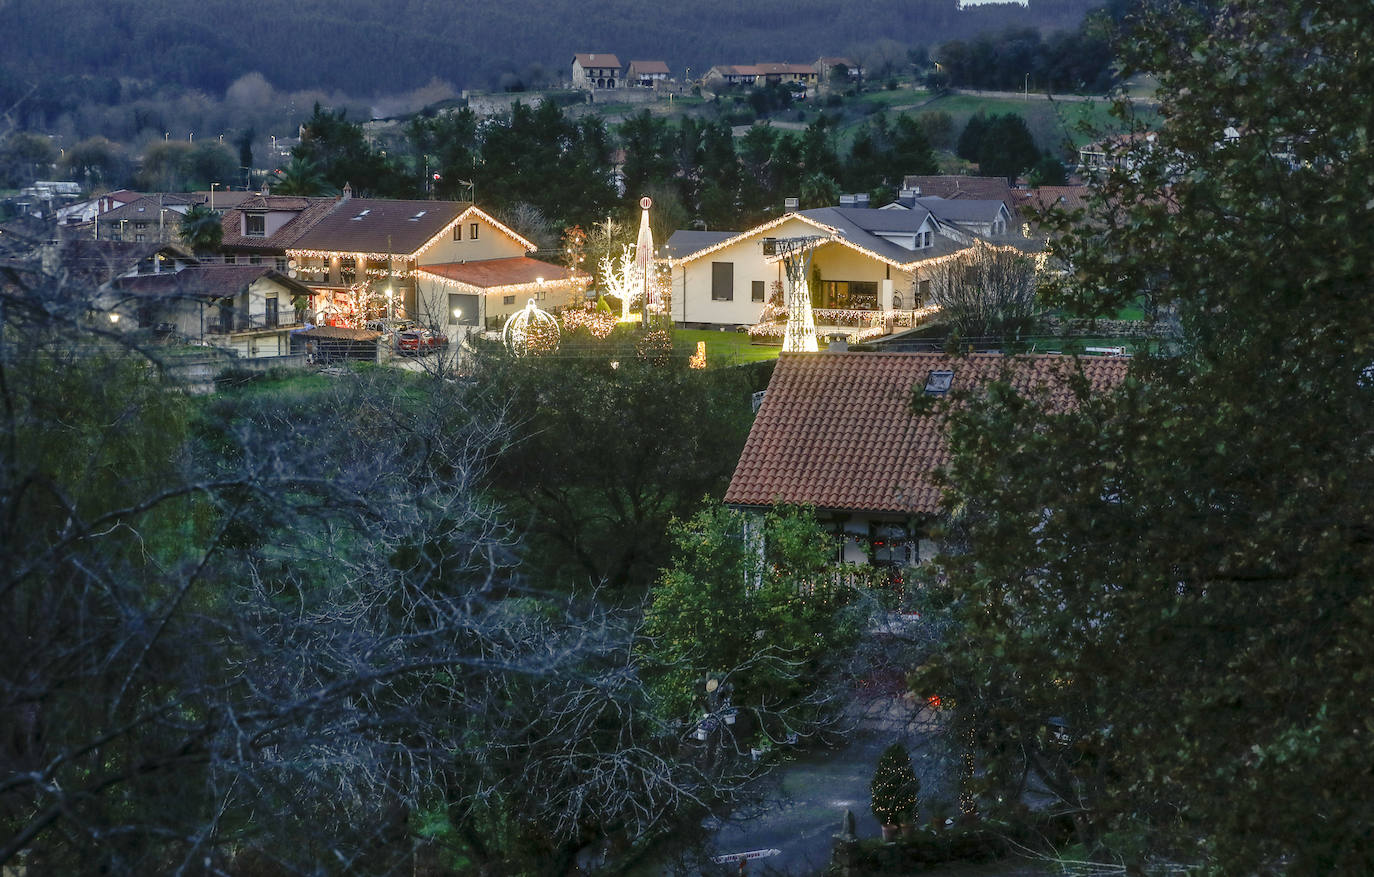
895, 788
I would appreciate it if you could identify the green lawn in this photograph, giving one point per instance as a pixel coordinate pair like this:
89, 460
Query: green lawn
724, 348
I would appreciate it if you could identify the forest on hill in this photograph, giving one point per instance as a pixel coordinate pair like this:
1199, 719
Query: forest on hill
48, 48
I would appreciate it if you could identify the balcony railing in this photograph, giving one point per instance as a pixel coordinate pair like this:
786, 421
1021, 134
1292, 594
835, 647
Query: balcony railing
225, 322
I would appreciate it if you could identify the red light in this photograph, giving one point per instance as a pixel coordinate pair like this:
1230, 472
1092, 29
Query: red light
933, 701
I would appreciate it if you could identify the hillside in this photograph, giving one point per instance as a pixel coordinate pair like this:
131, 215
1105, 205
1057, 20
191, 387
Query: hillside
369, 47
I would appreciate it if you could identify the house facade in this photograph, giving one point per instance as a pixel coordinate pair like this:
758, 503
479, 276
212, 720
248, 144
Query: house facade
762, 73
837, 432
249, 310
596, 71
870, 269
467, 296
646, 74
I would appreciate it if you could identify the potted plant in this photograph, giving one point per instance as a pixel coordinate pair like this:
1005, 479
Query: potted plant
895, 789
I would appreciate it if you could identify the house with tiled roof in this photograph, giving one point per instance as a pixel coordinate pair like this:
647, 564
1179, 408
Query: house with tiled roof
368, 247
761, 73
957, 187
646, 74
485, 293
870, 272
250, 310
825, 67
595, 71
837, 431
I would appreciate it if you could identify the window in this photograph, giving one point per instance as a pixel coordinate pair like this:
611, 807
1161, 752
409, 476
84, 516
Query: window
925, 239
348, 270
140, 238
756, 290
230, 259
722, 281
472, 232
938, 382
856, 294
255, 225
140, 225
458, 232
508, 300
889, 545
255, 259
281, 264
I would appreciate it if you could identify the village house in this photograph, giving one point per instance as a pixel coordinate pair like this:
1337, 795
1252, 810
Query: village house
837, 432
870, 270
594, 71
827, 68
762, 73
647, 74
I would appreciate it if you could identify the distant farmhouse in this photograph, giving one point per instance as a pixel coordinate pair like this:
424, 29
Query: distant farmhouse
597, 71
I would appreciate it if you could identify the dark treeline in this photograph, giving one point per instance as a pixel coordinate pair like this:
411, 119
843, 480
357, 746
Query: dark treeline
366, 49
537, 157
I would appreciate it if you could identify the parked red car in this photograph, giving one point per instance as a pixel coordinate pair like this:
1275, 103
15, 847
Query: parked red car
420, 341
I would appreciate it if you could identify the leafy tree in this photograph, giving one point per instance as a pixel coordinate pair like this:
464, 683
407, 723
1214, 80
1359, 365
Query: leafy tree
201, 229
1048, 171
97, 162
25, 157
339, 149
759, 609
604, 457
1178, 573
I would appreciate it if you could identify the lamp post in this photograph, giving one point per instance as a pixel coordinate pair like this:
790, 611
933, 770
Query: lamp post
1026, 93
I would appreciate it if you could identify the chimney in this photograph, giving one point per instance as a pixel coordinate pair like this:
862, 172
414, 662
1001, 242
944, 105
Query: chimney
791, 203
847, 200
347, 191
861, 199
838, 345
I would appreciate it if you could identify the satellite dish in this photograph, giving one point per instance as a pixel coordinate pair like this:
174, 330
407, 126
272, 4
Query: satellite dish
291, 273
293, 264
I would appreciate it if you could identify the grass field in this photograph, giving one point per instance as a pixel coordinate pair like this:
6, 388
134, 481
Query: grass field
724, 348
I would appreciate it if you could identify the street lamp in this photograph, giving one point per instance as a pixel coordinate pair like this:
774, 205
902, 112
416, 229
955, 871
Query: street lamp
1026, 94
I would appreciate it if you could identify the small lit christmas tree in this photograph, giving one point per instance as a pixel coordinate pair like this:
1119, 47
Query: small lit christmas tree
895, 787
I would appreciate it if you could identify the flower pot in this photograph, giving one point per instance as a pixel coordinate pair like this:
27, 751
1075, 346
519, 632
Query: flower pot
890, 833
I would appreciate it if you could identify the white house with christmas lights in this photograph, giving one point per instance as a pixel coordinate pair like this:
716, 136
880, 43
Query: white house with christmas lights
870, 269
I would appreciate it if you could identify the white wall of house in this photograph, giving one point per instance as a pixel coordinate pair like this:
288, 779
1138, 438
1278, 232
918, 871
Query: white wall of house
459, 244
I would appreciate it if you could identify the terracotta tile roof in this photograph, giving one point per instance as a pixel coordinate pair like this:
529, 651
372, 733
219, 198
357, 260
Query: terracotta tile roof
596, 59
836, 430
339, 333
376, 225
775, 68
488, 273
309, 211
1067, 197
648, 67
957, 186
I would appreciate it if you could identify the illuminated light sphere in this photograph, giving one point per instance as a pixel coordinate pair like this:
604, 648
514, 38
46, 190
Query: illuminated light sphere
530, 331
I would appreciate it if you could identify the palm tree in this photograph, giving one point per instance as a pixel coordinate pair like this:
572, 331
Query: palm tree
299, 176
201, 229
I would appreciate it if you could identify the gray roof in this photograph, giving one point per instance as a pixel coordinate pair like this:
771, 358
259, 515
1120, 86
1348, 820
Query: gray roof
960, 209
684, 243
861, 225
